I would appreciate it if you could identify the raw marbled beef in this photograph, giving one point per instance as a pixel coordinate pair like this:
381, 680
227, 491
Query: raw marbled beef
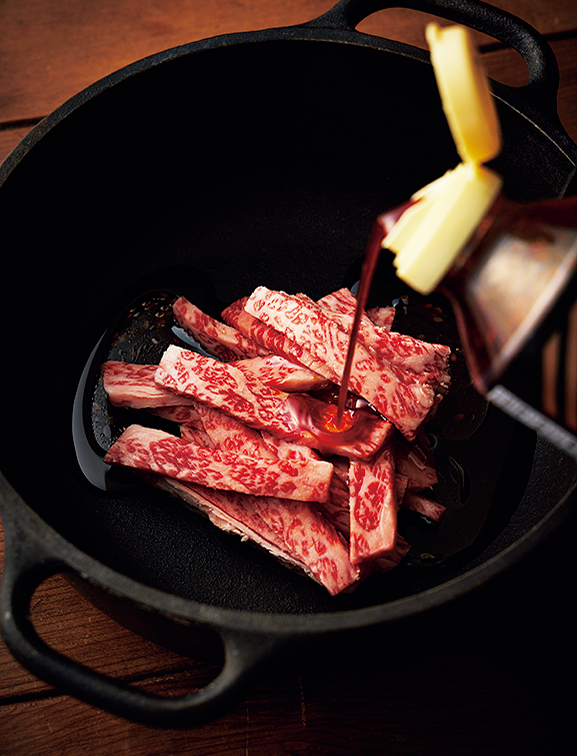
156, 451
387, 387
291, 531
226, 387
373, 507
243, 396
275, 341
131, 385
217, 338
279, 372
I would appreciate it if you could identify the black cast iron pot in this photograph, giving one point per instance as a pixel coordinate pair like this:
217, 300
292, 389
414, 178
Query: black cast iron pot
206, 170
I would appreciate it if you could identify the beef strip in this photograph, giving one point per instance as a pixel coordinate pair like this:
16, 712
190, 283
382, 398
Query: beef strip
373, 506
243, 396
162, 453
279, 372
387, 387
290, 531
274, 340
219, 339
131, 385
383, 317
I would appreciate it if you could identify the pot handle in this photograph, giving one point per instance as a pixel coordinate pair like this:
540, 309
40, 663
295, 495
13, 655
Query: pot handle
543, 80
29, 561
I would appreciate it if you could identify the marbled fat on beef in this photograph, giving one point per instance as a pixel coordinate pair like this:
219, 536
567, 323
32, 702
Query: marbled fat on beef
388, 387
290, 531
130, 385
219, 339
226, 387
159, 452
373, 507
274, 340
282, 373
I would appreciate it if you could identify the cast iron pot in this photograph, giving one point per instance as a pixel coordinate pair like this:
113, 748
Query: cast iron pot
206, 170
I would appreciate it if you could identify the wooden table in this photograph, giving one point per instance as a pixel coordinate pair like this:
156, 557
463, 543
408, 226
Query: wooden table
486, 675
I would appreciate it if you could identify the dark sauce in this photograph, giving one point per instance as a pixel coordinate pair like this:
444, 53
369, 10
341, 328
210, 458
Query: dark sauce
322, 422
370, 260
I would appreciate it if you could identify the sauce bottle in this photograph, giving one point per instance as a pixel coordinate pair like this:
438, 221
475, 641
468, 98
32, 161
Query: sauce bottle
509, 269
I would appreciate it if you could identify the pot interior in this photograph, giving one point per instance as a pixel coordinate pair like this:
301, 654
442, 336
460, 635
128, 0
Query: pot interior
205, 175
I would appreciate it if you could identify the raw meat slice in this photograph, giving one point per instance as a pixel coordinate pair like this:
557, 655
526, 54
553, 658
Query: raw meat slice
373, 506
336, 508
401, 483
279, 372
231, 435
191, 425
180, 413
162, 453
275, 341
428, 362
226, 387
291, 531
342, 305
312, 539
416, 462
392, 558
219, 339
382, 317
390, 390
131, 385
421, 361
196, 436
423, 505
284, 449
243, 396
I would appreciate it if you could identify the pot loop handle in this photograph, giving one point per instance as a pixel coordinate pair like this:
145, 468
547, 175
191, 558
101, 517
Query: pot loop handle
29, 561
543, 79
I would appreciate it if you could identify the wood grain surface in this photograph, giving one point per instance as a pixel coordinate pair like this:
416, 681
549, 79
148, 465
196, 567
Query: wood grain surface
484, 676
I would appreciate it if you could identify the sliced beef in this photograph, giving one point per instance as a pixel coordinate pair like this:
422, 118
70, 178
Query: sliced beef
416, 462
373, 507
131, 385
421, 361
405, 403
231, 435
279, 372
217, 338
383, 317
292, 531
226, 387
162, 453
424, 505
275, 341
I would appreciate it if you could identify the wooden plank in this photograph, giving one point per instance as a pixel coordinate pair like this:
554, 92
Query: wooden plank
72, 626
51, 49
